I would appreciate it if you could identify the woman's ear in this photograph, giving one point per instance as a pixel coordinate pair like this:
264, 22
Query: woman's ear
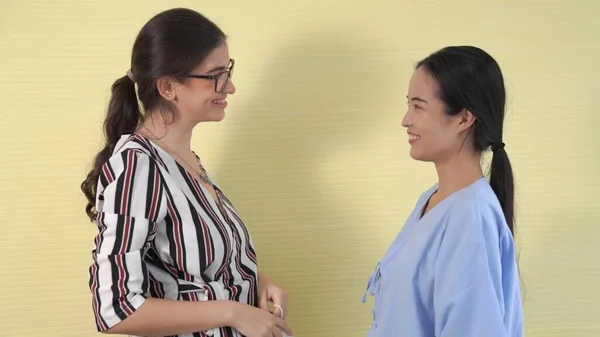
466, 119
166, 88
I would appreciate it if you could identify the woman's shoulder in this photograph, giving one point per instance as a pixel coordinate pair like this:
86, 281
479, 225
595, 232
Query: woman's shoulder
477, 208
131, 154
134, 143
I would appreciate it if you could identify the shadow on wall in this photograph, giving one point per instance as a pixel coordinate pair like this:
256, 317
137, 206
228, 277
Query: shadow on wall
317, 94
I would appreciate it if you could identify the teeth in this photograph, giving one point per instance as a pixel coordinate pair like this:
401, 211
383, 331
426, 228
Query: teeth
219, 101
414, 137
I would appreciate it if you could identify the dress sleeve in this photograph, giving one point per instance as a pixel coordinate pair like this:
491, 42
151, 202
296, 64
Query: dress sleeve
130, 202
468, 298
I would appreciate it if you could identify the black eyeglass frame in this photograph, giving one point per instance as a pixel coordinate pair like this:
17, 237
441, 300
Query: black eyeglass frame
216, 76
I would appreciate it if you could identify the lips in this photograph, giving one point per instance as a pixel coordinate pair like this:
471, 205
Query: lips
412, 138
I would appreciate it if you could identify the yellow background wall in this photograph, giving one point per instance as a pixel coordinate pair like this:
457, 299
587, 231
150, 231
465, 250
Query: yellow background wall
312, 150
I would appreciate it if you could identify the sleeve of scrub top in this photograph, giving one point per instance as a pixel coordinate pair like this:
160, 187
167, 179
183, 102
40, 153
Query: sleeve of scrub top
468, 279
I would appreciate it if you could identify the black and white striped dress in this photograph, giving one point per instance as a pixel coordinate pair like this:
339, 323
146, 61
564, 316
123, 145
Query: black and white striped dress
162, 235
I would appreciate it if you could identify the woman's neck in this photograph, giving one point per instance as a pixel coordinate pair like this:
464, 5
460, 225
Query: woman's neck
457, 173
175, 135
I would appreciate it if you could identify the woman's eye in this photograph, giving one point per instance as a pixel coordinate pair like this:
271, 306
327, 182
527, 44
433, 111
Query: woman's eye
414, 106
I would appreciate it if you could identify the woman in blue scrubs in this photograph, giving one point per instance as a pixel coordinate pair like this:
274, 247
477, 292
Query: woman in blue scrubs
452, 269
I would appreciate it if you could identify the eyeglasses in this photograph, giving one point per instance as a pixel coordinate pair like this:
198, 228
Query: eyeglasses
221, 78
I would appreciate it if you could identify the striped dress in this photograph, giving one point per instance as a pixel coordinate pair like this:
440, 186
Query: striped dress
161, 234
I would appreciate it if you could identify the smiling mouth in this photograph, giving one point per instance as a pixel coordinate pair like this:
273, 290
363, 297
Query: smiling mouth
413, 138
221, 102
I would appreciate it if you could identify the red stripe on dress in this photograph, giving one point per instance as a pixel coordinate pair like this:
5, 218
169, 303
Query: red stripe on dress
121, 285
95, 304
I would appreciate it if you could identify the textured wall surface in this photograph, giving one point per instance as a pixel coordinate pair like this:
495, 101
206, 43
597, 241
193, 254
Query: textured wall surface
311, 152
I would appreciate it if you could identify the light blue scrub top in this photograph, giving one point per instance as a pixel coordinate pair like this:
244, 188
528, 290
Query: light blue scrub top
451, 273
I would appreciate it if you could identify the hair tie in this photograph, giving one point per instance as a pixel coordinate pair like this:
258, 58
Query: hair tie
496, 148
130, 75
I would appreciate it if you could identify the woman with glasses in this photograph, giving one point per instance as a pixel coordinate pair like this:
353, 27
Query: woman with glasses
172, 257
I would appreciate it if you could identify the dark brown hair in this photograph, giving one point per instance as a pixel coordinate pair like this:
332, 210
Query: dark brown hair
172, 43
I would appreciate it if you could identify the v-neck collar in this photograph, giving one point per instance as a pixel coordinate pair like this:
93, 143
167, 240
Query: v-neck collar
442, 204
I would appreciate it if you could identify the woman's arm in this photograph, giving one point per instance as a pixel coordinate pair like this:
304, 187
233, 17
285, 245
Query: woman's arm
168, 317
130, 203
472, 283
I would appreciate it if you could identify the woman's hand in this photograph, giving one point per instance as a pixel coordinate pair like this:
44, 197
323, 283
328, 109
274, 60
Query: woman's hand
254, 322
270, 292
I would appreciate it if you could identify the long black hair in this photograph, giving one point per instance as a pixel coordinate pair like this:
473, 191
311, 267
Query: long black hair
469, 78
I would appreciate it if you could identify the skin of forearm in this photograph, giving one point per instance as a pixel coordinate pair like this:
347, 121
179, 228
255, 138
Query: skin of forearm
168, 317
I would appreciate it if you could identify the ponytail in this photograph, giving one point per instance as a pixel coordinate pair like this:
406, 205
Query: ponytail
123, 117
502, 182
